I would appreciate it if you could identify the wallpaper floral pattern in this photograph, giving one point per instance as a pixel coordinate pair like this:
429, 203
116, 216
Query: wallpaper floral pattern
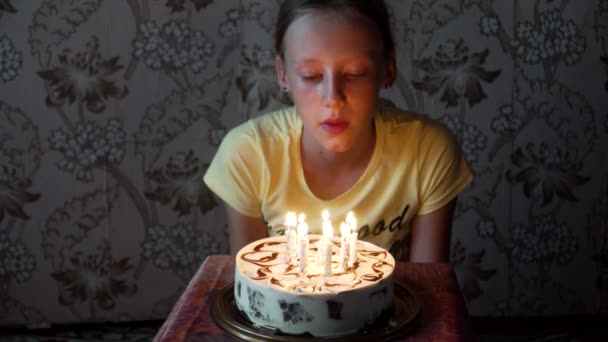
110, 112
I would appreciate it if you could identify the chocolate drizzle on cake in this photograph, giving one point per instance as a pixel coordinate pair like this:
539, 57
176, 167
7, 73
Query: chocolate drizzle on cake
352, 286
276, 282
262, 261
375, 254
271, 243
262, 273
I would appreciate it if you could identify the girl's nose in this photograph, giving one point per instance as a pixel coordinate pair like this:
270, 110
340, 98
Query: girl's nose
333, 92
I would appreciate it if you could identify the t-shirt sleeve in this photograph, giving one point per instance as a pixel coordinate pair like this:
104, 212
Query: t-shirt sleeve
443, 170
235, 172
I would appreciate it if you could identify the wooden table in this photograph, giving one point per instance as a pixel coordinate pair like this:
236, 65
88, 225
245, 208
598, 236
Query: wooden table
445, 315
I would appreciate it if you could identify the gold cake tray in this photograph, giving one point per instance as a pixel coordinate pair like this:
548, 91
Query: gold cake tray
404, 319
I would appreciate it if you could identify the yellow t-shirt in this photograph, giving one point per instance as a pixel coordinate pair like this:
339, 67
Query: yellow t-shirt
416, 168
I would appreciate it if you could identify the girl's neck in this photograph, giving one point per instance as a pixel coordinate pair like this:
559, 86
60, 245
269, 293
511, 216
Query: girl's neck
358, 155
329, 174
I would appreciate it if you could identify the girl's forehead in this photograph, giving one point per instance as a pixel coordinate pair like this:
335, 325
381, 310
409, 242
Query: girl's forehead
319, 33
346, 19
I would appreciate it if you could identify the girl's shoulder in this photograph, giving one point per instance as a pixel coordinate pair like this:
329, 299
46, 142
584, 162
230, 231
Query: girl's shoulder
400, 125
273, 124
401, 121
265, 130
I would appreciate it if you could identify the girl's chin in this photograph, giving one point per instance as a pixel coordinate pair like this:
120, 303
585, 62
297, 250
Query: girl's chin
337, 147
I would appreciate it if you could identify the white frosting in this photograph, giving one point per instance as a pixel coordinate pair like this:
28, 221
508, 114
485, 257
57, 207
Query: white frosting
275, 295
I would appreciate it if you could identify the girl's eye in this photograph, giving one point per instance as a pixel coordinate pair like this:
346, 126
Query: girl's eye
311, 77
354, 74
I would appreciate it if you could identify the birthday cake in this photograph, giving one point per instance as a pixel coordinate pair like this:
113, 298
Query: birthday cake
306, 296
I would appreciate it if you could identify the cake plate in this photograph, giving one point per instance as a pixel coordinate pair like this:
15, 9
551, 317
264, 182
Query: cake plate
403, 320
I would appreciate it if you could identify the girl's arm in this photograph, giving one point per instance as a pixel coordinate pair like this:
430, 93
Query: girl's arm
243, 229
431, 234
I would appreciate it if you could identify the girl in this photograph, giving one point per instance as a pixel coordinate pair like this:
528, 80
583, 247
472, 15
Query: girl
337, 148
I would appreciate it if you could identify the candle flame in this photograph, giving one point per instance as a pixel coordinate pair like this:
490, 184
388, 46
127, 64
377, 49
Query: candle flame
352, 221
301, 218
291, 219
325, 215
350, 217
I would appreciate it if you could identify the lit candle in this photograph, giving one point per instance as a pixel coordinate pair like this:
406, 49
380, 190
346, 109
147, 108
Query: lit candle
352, 255
290, 225
301, 219
328, 232
344, 242
303, 241
320, 258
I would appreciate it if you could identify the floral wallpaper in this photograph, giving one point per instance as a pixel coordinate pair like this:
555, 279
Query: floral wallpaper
110, 112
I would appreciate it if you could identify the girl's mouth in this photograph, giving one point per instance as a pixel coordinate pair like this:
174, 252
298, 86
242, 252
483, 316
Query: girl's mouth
334, 126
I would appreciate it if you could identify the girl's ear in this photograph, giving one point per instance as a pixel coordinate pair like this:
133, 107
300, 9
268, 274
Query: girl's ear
281, 74
391, 70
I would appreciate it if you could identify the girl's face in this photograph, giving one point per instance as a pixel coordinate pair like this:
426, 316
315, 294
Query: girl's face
333, 67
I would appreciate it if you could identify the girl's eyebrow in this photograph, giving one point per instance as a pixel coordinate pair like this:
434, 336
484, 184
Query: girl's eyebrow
306, 60
310, 60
